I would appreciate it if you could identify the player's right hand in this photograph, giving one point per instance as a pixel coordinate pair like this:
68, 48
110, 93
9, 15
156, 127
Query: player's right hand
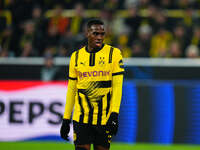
65, 128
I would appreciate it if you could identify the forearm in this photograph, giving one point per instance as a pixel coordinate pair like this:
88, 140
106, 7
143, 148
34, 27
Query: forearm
117, 93
70, 99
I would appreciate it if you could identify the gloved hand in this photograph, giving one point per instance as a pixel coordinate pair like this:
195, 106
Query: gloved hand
64, 130
112, 124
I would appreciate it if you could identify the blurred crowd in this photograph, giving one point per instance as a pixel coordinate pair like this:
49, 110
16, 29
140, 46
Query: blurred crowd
149, 28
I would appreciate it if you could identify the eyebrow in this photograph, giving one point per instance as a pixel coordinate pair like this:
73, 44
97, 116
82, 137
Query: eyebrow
95, 32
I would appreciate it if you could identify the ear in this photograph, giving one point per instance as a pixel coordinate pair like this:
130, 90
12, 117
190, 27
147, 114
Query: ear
87, 33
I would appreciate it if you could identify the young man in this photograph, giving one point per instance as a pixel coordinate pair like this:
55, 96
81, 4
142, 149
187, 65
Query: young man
94, 91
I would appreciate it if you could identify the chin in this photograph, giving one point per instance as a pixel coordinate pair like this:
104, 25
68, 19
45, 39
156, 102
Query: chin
98, 46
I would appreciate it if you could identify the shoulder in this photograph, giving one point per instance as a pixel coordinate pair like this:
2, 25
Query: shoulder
117, 50
114, 49
75, 53
117, 53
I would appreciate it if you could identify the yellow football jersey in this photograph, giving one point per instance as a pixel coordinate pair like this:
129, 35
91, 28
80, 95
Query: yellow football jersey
93, 72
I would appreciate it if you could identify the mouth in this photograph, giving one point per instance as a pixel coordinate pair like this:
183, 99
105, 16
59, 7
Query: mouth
98, 43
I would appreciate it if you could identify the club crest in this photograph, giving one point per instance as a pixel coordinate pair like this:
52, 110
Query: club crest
102, 61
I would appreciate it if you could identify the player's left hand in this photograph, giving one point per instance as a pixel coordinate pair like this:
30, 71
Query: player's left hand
112, 124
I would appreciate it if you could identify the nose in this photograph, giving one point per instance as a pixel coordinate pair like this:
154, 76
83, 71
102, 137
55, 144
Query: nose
99, 36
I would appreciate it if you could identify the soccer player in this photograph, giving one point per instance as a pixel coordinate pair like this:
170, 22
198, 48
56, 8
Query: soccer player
94, 91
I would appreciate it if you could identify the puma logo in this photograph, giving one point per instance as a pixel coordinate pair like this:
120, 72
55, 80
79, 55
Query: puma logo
82, 63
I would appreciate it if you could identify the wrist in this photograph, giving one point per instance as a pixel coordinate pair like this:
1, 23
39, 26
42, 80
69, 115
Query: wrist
114, 114
66, 121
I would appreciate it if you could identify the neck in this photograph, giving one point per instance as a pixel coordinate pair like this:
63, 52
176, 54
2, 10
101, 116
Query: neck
90, 49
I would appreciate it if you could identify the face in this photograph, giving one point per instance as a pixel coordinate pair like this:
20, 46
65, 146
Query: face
96, 35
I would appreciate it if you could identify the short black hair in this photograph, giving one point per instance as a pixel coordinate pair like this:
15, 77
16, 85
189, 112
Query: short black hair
94, 22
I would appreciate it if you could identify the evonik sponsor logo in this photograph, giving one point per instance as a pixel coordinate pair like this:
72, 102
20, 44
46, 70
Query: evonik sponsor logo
93, 74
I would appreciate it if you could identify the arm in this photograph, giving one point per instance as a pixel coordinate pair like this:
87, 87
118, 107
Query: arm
71, 92
70, 99
117, 93
117, 81
112, 123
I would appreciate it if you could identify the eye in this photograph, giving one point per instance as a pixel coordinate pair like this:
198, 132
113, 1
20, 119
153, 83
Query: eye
95, 33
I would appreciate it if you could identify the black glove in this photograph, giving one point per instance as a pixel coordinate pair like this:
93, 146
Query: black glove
112, 124
64, 130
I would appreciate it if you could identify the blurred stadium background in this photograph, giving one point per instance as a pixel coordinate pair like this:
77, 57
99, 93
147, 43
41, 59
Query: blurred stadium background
160, 41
